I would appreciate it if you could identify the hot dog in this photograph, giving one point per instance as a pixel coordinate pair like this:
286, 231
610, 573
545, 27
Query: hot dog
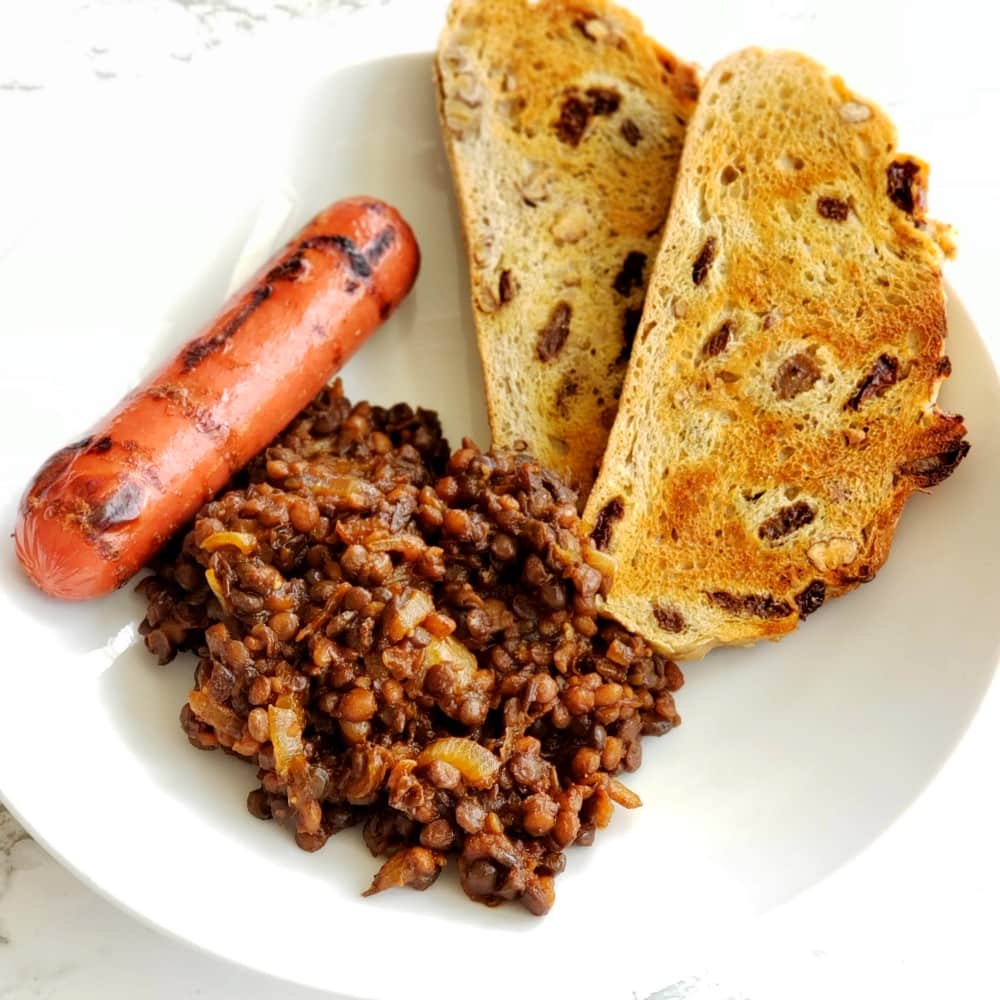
99, 509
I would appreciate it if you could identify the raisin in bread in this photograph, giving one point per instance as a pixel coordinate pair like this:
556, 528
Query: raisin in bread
779, 406
564, 126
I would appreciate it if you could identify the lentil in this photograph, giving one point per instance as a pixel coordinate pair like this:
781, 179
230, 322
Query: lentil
411, 642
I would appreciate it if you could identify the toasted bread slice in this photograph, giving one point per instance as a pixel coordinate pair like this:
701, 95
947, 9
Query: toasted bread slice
564, 126
779, 406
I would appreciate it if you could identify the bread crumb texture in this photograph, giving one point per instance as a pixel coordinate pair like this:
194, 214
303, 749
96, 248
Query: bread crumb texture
779, 405
564, 126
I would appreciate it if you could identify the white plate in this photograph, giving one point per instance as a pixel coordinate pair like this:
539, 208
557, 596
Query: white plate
793, 757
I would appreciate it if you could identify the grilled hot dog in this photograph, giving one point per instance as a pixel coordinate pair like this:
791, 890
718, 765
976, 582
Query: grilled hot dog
100, 508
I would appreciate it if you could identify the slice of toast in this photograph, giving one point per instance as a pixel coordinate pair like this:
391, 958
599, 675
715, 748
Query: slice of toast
564, 126
779, 405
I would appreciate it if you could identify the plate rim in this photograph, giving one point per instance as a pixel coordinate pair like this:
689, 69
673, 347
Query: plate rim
354, 58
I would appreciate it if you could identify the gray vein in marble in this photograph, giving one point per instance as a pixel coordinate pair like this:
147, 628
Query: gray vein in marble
41, 984
11, 835
696, 988
200, 27
239, 16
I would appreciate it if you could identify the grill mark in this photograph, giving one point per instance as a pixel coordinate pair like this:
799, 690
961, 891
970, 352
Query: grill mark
150, 476
123, 506
375, 250
291, 269
205, 346
109, 553
204, 420
55, 465
139, 461
356, 260
179, 397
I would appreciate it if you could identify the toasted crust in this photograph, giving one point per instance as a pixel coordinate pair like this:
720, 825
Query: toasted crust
564, 126
779, 406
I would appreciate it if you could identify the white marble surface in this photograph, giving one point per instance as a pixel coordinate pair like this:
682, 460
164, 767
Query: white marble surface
914, 916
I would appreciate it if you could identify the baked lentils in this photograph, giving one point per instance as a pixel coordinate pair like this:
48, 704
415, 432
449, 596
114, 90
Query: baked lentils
409, 641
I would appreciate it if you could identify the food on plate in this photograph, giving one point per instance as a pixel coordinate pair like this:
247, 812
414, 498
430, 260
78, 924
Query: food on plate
99, 508
563, 124
410, 641
779, 406
437, 646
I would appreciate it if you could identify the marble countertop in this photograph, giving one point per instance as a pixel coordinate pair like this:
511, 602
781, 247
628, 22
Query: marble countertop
915, 914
